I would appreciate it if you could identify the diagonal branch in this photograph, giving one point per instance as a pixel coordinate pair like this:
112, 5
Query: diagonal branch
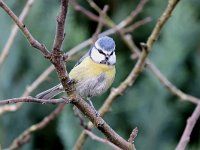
100, 23
104, 141
172, 88
188, 129
34, 43
79, 8
14, 31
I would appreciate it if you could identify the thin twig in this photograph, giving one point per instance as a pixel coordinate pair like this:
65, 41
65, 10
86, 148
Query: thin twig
134, 13
185, 138
26, 135
60, 28
137, 24
111, 135
100, 23
14, 31
105, 33
101, 140
34, 100
79, 8
133, 135
94, 6
34, 43
172, 88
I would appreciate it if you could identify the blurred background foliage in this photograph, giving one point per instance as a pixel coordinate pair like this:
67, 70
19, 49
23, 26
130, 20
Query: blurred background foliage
159, 115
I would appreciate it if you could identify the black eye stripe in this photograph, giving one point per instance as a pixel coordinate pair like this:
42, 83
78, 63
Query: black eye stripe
100, 51
111, 53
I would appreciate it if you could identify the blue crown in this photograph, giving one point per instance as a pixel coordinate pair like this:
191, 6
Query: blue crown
106, 43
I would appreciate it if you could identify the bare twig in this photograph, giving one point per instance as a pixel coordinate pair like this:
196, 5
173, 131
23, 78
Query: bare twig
34, 43
107, 32
133, 135
172, 88
35, 100
133, 14
154, 35
111, 135
126, 21
26, 135
59, 37
161, 21
185, 138
137, 24
100, 23
79, 8
104, 141
14, 31
94, 6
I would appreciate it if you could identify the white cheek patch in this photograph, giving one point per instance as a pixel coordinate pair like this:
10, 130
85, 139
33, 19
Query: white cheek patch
112, 59
96, 56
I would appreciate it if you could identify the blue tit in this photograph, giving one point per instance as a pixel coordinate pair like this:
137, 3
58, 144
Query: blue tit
94, 72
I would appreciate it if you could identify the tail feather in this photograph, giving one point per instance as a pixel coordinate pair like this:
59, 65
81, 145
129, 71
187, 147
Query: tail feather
50, 93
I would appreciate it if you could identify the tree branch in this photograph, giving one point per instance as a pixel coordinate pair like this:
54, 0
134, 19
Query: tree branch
133, 135
104, 141
137, 24
34, 100
100, 23
185, 138
14, 31
84, 11
172, 88
34, 43
60, 28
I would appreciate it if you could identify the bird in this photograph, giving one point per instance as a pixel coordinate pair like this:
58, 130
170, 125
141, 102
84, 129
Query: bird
93, 74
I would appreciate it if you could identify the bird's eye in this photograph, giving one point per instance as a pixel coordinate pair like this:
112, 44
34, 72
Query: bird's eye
101, 52
111, 53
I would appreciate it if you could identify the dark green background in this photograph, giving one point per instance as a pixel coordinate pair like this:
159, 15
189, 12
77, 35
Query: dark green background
160, 116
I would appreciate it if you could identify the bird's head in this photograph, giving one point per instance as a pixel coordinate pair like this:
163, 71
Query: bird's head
103, 51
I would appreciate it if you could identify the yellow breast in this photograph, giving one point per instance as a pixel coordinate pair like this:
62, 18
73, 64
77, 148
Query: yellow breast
89, 69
